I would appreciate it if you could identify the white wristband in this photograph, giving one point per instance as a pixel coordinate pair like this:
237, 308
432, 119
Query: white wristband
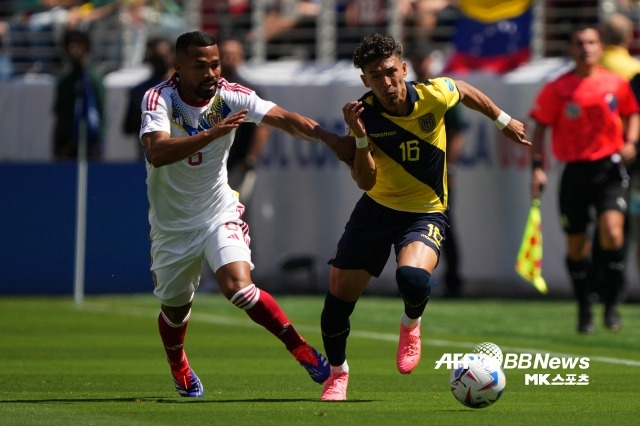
362, 142
503, 120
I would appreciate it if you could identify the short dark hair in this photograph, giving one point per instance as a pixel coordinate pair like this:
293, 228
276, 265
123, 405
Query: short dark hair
194, 38
375, 47
580, 27
76, 36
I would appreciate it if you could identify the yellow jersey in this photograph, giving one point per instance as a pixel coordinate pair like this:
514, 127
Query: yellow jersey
410, 151
618, 60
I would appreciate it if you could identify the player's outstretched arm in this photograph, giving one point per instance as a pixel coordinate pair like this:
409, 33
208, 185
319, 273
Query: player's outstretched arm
161, 149
301, 127
478, 101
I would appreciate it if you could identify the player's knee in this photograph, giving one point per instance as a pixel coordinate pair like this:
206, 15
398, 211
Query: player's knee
413, 284
176, 314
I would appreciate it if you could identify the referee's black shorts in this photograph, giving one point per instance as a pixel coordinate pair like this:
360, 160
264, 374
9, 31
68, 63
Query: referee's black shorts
601, 184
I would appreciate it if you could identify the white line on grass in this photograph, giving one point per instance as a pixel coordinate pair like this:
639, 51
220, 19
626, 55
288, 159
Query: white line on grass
372, 335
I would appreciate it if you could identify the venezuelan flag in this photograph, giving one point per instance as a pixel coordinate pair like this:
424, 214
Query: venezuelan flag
491, 35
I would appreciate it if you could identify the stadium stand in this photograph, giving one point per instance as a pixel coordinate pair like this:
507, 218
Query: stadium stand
271, 29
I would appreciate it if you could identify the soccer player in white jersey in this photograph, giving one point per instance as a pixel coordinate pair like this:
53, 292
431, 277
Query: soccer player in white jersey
188, 125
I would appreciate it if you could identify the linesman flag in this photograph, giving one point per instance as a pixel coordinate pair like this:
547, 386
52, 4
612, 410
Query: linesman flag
529, 262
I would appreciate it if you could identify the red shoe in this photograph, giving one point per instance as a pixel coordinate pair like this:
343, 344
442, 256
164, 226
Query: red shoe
313, 361
187, 383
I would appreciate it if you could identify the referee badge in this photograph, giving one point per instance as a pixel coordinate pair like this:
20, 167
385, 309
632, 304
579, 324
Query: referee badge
572, 110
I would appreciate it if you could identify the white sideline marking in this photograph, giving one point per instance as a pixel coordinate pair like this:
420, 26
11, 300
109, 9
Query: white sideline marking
372, 335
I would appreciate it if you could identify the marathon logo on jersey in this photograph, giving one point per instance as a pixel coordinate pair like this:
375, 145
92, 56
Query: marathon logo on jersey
427, 122
214, 113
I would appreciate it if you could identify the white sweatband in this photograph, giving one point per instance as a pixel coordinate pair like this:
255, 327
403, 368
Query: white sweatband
503, 120
362, 142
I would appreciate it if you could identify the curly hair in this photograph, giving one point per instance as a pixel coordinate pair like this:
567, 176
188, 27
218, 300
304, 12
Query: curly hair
375, 47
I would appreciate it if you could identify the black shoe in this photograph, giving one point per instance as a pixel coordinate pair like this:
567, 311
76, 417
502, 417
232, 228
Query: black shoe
585, 323
586, 327
612, 319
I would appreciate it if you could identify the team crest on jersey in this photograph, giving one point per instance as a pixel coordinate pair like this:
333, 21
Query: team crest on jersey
214, 113
427, 122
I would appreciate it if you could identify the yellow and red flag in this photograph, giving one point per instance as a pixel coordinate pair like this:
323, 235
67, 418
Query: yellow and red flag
529, 262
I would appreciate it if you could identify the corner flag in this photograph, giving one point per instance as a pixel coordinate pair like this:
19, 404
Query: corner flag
529, 262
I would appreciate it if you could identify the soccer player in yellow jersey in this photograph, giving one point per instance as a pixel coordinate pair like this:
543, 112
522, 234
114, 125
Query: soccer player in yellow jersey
400, 164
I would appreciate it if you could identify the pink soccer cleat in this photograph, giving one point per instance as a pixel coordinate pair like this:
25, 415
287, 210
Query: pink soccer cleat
335, 388
409, 349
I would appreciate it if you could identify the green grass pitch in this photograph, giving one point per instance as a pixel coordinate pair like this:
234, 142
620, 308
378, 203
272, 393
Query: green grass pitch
103, 364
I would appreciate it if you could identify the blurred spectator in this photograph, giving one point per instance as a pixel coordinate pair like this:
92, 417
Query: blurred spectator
160, 56
288, 29
81, 14
79, 98
421, 23
36, 26
358, 18
250, 138
491, 36
227, 18
6, 10
421, 59
369, 14
617, 34
33, 31
423, 17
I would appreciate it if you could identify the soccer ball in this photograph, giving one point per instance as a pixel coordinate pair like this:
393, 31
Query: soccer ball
478, 381
490, 349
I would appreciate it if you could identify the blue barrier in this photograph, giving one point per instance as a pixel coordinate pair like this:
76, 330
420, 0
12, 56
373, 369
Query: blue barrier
38, 216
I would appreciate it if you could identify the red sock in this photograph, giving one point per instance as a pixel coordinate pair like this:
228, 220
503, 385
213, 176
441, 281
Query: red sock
173, 339
264, 310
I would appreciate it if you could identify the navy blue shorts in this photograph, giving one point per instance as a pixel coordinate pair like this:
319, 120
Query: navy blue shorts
373, 228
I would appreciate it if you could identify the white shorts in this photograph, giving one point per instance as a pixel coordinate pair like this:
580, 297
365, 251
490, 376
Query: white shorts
176, 259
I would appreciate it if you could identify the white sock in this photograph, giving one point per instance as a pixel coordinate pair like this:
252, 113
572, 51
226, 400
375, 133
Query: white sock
408, 322
344, 368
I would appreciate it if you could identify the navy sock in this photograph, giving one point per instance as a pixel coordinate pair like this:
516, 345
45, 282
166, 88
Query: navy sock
335, 326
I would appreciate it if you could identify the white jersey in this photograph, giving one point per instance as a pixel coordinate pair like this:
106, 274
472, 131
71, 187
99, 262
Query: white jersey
190, 194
